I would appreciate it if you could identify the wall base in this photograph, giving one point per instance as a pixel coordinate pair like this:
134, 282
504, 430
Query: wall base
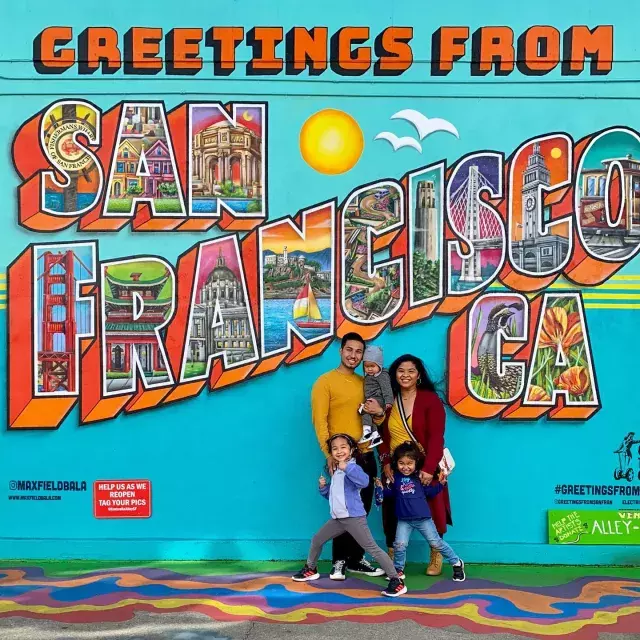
158, 549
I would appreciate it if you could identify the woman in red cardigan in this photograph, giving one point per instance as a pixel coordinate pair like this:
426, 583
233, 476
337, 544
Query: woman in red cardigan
424, 416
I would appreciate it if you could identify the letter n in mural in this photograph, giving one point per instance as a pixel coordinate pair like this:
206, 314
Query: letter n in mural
228, 164
297, 261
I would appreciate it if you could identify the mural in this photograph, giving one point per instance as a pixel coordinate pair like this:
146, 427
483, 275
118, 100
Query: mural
194, 217
526, 356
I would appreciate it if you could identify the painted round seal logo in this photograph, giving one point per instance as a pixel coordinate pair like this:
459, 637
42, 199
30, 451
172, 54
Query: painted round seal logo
61, 145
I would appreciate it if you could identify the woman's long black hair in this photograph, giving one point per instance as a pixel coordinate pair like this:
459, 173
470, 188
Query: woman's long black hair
424, 381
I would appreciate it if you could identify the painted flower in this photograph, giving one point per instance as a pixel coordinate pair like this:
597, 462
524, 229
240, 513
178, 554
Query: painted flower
538, 394
575, 380
560, 329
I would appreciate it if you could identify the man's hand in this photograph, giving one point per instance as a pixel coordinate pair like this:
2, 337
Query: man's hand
372, 407
425, 477
332, 465
388, 472
322, 483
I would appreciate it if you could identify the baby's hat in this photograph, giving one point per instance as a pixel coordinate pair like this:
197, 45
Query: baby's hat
374, 354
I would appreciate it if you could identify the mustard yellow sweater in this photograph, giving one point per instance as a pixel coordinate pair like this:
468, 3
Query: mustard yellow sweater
335, 399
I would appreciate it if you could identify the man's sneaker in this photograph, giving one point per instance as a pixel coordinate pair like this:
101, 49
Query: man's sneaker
337, 573
366, 568
376, 440
395, 588
400, 575
305, 574
458, 572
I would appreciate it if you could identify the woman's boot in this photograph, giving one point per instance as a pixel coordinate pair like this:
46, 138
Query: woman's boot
435, 564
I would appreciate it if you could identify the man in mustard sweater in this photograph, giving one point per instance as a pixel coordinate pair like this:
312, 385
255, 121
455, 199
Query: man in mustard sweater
335, 399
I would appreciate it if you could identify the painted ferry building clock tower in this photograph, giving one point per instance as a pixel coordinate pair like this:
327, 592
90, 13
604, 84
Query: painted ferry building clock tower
536, 252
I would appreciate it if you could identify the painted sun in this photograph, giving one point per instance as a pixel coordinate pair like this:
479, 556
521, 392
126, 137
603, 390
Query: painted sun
331, 141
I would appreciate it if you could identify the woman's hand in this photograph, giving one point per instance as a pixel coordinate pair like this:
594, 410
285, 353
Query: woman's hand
425, 477
322, 483
332, 465
443, 477
372, 407
378, 483
388, 472
342, 465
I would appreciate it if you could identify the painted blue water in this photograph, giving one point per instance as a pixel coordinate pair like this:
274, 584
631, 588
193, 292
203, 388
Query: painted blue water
456, 285
210, 205
54, 201
276, 315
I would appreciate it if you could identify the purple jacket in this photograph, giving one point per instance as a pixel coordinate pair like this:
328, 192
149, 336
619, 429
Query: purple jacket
343, 491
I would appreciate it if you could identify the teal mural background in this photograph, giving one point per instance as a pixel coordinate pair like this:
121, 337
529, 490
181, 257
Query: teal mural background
234, 471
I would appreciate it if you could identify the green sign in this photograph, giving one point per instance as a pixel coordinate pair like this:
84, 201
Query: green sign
594, 527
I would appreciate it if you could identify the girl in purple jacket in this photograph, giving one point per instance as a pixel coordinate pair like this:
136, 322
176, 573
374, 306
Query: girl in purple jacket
347, 514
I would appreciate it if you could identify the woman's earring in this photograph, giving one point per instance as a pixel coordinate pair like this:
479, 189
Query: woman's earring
419, 379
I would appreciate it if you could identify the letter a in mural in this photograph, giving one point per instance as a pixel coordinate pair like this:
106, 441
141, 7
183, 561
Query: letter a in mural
143, 168
220, 323
561, 364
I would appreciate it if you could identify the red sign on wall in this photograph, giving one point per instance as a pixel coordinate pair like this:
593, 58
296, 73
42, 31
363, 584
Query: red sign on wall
122, 498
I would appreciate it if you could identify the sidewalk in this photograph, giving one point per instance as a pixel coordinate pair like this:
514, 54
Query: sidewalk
255, 601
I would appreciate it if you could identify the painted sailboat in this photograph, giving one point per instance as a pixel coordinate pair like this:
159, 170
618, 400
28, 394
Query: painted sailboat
306, 312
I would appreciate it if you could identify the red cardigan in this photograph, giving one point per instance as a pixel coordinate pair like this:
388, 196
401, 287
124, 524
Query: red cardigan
428, 423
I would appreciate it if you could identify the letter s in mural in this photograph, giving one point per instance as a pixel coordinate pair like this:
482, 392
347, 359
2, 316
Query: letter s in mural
484, 239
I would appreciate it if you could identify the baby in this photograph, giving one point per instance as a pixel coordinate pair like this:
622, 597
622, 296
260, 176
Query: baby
377, 385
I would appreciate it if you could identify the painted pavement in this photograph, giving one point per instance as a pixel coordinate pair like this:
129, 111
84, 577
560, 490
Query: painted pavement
536, 602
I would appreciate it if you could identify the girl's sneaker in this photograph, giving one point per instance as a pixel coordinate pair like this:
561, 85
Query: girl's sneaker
337, 573
395, 588
307, 573
458, 572
400, 575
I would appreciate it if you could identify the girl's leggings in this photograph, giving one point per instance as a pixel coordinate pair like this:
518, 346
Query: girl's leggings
359, 529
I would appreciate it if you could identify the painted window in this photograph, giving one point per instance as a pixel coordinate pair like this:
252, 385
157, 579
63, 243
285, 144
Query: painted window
120, 167
591, 186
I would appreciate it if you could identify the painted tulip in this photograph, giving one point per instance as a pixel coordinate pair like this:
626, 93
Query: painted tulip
560, 329
575, 380
538, 394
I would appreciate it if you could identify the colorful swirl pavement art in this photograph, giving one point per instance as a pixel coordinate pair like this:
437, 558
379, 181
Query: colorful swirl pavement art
578, 609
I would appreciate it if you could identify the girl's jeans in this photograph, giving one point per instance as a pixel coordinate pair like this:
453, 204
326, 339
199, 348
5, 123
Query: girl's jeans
428, 531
